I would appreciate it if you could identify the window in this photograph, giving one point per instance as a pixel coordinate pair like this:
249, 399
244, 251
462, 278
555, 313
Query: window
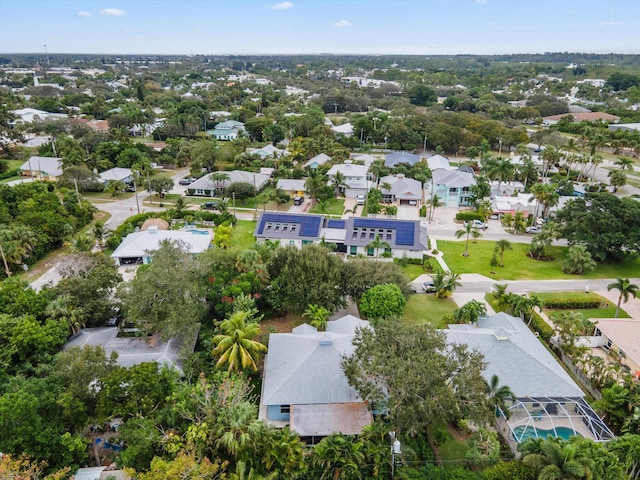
353, 250
269, 226
293, 228
354, 234
277, 229
199, 191
292, 243
388, 236
285, 228
370, 252
285, 408
453, 191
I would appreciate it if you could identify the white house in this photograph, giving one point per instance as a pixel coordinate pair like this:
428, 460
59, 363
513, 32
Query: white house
356, 179
44, 168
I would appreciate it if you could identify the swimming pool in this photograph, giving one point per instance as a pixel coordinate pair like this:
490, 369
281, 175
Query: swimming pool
197, 232
520, 434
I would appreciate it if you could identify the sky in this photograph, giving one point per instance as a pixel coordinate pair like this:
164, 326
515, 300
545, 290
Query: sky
412, 27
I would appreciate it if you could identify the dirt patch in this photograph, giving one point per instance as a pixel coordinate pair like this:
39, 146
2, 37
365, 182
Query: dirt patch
282, 324
459, 435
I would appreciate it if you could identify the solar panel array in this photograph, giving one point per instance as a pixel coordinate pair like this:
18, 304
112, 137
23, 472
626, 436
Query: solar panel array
405, 231
336, 224
309, 225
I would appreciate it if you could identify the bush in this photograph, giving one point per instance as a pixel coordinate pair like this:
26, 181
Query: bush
573, 303
509, 471
10, 173
423, 211
465, 216
541, 327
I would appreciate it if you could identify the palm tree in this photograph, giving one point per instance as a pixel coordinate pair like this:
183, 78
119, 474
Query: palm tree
338, 182
377, 244
219, 178
468, 230
318, 316
625, 163
338, 458
445, 283
498, 395
434, 203
81, 243
62, 308
501, 246
503, 171
314, 185
556, 459
550, 156
626, 288
235, 345
470, 312
101, 232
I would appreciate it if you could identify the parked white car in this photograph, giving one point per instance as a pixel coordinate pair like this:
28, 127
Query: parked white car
479, 224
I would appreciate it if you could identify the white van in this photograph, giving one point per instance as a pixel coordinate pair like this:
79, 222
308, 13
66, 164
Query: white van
360, 199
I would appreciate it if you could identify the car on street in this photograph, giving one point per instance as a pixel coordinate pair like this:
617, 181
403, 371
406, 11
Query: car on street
429, 286
210, 206
187, 180
479, 224
533, 229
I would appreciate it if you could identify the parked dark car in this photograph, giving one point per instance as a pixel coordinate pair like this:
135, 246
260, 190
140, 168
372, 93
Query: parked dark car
210, 206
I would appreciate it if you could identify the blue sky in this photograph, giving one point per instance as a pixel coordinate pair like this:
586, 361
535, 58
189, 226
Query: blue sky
320, 26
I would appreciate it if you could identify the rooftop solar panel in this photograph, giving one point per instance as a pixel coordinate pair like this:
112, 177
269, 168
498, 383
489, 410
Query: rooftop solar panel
335, 224
310, 226
405, 231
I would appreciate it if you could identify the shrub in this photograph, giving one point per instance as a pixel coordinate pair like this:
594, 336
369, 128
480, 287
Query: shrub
423, 211
465, 216
10, 173
573, 303
541, 327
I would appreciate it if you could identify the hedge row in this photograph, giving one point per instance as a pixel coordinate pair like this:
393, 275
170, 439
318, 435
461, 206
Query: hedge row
465, 216
573, 303
541, 327
10, 173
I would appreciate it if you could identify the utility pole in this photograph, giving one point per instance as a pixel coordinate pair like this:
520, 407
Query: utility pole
4, 260
47, 54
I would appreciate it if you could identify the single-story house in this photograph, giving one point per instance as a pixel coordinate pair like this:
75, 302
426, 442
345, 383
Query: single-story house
356, 178
318, 160
44, 168
351, 236
204, 186
453, 186
506, 189
346, 129
115, 174
30, 115
131, 350
523, 202
438, 161
363, 158
268, 151
583, 117
136, 248
292, 187
630, 127
622, 337
37, 141
227, 130
405, 191
304, 387
396, 158
547, 400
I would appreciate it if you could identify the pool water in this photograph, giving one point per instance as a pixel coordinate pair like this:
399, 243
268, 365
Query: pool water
197, 232
520, 434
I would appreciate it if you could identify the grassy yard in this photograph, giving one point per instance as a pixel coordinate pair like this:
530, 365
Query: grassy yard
423, 307
333, 206
518, 266
108, 197
604, 312
242, 237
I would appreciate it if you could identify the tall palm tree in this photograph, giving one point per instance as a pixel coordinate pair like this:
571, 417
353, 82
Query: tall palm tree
434, 203
101, 232
219, 178
498, 395
626, 288
557, 459
468, 230
235, 346
338, 457
338, 182
314, 185
624, 163
377, 244
503, 171
62, 309
501, 246
550, 156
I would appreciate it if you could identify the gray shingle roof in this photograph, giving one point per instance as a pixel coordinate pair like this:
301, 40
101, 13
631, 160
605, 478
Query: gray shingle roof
396, 158
516, 356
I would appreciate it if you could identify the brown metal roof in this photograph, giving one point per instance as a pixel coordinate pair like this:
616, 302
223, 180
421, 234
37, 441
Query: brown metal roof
324, 419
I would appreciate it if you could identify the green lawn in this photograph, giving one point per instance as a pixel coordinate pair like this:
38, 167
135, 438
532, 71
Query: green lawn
242, 237
605, 312
424, 307
412, 271
333, 206
107, 196
518, 266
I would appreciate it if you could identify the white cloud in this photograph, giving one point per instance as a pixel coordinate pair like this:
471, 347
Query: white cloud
342, 23
112, 12
83, 13
281, 6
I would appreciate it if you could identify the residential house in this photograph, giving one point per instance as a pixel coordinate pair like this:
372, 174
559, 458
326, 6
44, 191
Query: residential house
356, 179
404, 238
453, 187
31, 115
351, 236
505, 189
268, 151
363, 158
404, 191
396, 158
438, 161
115, 174
522, 202
292, 187
547, 400
227, 130
583, 117
621, 336
304, 387
43, 168
316, 161
346, 129
137, 247
207, 187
